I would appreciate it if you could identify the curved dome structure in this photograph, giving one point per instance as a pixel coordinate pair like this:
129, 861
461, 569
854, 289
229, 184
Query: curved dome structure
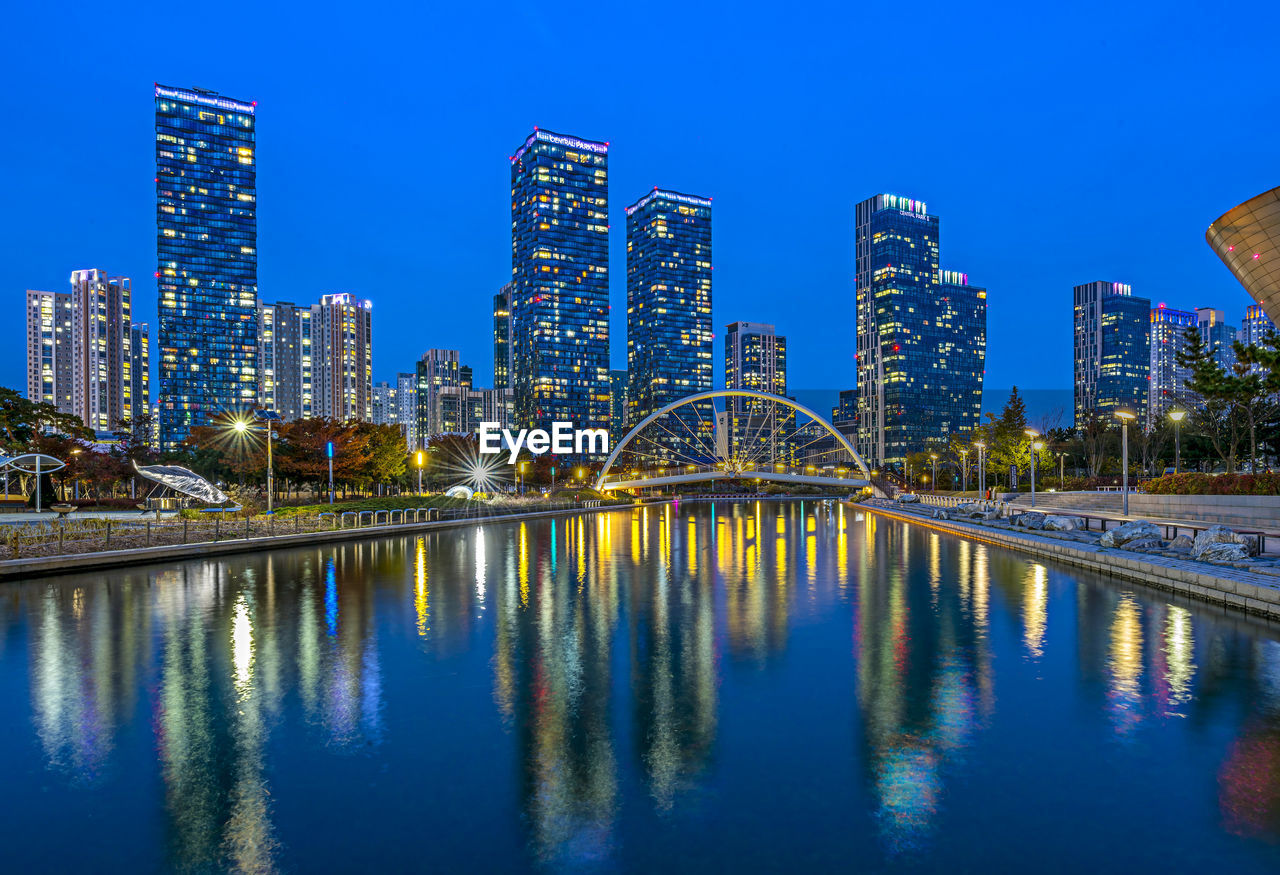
1247, 239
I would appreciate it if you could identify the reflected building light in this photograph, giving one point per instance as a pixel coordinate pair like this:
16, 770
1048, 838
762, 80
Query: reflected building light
1125, 664
242, 646
421, 592
1035, 608
1179, 650
330, 597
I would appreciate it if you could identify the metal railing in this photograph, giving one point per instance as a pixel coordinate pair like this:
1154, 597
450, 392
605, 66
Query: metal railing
827, 471
73, 535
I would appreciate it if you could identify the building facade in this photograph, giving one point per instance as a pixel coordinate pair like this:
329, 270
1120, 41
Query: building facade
755, 357
342, 358
407, 401
1219, 337
669, 339
560, 272
1168, 378
1112, 351
618, 403
49, 349
437, 370
502, 350
1256, 327
285, 360
140, 370
207, 257
101, 349
921, 334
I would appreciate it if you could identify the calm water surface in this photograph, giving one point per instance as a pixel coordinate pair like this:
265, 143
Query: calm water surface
772, 686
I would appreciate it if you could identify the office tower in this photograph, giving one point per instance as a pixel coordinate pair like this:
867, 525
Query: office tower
1112, 351
618, 420
844, 416
502, 364
436, 371
207, 254
342, 357
669, 348
140, 370
1168, 338
101, 349
921, 334
49, 349
560, 268
755, 357
285, 360
407, 401
1218, 336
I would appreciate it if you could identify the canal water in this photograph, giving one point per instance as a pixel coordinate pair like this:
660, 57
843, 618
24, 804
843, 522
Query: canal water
739, 687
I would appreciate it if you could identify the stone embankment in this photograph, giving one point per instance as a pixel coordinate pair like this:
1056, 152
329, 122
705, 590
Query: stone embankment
1218, 565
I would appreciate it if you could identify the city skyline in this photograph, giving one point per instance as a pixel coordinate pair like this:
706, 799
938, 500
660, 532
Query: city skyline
1151, 239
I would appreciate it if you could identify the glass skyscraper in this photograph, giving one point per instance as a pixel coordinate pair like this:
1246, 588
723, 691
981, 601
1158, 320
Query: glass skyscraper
1219, 337
560, 268
755, 357
502, 337
206, 246
1112, 351
921, 334
669, 340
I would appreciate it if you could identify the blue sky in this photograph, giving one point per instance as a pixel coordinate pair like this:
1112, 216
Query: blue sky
1059, 145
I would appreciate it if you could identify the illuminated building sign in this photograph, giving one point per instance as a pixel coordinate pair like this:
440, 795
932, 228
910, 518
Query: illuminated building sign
670, 196
561, 140
204, 99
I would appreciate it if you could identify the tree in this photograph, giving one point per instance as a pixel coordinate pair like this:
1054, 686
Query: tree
1216, 416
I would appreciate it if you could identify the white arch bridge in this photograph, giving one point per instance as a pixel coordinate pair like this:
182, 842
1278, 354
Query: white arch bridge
755, 438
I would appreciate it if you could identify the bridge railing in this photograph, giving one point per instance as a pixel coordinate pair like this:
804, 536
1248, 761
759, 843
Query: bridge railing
745, 471
956, 501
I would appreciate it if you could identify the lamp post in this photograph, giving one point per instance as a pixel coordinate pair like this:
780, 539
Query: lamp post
934, 480
1125, 418
964, 470
1035, 445
1177, 416
1062, 463
982, 468
328, 451
243, 426
419, 459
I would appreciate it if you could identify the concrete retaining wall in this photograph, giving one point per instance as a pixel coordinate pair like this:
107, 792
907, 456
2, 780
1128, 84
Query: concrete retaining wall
1232, 587
1238, 511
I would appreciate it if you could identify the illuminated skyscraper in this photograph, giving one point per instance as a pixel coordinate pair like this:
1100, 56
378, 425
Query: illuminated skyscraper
560, 268
207, 253
921, 334
49, 349
1168, 338
618, 403
502, 337
1112, 351
669, 346
437, 371
101, 348
342, 366
140, 370
755, 357
1256, 326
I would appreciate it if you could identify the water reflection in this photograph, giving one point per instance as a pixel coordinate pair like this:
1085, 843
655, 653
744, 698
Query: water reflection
609, 652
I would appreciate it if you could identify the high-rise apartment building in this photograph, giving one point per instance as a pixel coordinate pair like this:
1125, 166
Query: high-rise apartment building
1168, 378
407, 401
286, 360
342, 358
502, 351
755, 357
560, 269
1112, 351
207, 254
140, 370
921, 334
437, 370
1219, 337
618, 420
49, 349
385, 405
669, 343
1257, 325
101, 349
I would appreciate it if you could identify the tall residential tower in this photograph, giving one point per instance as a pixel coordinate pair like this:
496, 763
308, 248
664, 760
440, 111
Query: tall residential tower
560, 271
207, 254
1112, 351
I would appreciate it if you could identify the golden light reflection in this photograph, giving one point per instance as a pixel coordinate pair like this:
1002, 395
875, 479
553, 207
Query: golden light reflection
1179, 651
421, 594
1125, 664
1035, 607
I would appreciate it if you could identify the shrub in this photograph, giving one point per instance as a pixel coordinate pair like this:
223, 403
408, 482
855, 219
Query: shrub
1215, 484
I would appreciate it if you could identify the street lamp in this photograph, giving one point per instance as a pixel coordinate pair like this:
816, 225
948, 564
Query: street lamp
934, 481
243, 427
964, 470
1125, 418
1062, 462
1035, 445
1177, 416
420, 460
982, 468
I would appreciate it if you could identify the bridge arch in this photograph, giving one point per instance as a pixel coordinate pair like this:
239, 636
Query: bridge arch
727, 393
